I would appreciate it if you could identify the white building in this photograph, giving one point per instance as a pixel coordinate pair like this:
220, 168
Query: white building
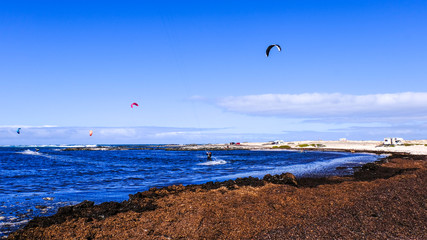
397, 141
387, 141
393, 141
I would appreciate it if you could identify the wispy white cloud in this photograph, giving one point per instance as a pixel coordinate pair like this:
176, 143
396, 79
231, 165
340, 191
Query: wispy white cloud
326, 105
406, 131
117, 132
410, 130
198, 98
168, 134
140, 135
71, 135
27, 126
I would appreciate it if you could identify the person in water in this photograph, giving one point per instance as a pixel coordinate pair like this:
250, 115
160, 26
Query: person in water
209, 155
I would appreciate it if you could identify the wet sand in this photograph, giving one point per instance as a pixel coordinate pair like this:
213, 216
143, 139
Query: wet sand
384, 200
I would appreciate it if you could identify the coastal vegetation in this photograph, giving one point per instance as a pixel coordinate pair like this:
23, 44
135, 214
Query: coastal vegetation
282, 147
318, 145
311, 145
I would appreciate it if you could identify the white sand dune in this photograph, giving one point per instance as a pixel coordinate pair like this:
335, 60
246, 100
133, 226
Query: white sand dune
416, 147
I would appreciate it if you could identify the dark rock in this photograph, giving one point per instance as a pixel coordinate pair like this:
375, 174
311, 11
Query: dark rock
370, 166
341, 168
284, 178
89, 211
84, 204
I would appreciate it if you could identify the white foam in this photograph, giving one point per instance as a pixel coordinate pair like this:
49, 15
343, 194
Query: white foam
34, 153
71, 145
301, 169
214, 162
10, 224
30, 152
42, 145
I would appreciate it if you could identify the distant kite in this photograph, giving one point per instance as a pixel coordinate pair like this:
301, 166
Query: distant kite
134, 104
267, 52
18, 131
90, 133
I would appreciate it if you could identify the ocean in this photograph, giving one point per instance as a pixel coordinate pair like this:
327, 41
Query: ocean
37, 183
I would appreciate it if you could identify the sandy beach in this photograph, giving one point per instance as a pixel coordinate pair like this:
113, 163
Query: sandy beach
383, 200
413, 147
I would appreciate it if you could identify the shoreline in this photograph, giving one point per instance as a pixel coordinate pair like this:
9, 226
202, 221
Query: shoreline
414, 147
89, 217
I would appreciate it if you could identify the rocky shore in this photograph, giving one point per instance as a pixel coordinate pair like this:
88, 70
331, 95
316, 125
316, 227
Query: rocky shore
383, 200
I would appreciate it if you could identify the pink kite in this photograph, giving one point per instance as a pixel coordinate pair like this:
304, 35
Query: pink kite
136, 104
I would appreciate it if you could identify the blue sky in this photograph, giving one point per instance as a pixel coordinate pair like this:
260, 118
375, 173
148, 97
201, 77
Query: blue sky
354, 69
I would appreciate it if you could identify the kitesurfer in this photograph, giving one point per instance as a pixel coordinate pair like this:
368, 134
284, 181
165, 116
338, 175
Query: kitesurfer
209, 156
